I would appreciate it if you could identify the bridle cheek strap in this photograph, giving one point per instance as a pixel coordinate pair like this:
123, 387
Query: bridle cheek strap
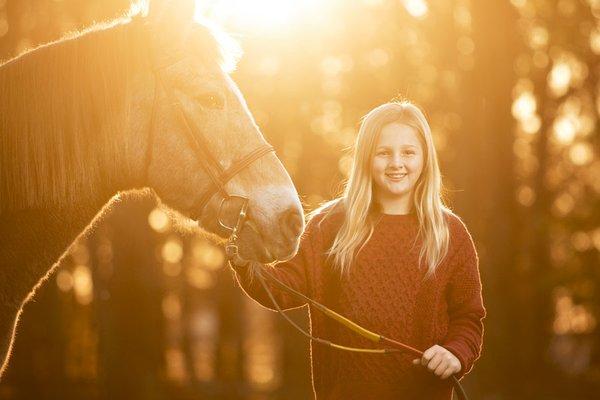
226, 175
217, 174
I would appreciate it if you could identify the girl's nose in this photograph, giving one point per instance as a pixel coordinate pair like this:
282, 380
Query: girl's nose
396, 161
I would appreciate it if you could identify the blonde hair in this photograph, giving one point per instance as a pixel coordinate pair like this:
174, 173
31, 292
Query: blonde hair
357, 199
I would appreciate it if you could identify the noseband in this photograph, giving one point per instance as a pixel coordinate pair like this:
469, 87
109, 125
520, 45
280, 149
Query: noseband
218, 175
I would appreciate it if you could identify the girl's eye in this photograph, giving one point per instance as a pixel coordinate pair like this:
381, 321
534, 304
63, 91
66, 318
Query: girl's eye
211, 100
383, 153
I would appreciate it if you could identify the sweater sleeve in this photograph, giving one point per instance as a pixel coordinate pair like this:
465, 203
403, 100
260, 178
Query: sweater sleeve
465, 304
294, 273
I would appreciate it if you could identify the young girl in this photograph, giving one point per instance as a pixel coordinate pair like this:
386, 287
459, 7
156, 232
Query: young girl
390, 256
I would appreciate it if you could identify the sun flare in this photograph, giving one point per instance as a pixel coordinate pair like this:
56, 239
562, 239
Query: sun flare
256, 14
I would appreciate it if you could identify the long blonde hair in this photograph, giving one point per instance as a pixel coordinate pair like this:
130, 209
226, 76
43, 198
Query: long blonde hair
357, 199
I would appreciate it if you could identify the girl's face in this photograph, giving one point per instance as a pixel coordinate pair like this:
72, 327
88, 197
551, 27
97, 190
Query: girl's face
397, 162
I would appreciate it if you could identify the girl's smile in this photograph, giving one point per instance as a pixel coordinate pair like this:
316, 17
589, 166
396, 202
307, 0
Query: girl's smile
397, 166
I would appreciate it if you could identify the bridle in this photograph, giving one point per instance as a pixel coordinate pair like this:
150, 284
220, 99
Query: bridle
218, 179
231, 250
218, 175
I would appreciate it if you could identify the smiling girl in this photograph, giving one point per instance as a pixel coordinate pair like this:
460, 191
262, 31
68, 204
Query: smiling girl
389, 255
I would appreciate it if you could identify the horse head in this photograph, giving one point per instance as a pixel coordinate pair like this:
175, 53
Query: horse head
198, 113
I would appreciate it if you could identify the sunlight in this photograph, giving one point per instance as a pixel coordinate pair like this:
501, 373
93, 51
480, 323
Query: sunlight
256, 14
565, 128
416, 8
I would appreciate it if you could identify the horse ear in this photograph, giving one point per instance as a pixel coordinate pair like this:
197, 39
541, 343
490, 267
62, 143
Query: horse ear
170, 17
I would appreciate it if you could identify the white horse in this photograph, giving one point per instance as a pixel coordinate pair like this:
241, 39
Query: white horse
109, 110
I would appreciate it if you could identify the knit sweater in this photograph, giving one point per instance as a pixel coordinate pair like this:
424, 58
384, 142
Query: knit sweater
385, 291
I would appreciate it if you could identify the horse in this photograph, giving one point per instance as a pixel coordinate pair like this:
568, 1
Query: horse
142, 102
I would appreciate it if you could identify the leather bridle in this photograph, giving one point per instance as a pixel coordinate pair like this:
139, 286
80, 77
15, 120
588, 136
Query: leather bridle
218, 179
218, 175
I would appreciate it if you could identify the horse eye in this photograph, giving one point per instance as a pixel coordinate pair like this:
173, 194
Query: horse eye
211, 100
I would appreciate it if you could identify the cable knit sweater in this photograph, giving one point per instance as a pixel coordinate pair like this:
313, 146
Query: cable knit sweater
385, 292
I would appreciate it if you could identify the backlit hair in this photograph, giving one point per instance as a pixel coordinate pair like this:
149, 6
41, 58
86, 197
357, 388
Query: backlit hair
358, 201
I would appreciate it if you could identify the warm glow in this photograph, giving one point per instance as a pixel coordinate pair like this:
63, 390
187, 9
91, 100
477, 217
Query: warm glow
199, 278
175, 364
159, 220
416, 8
538, 37
581, 153
172, 250
82, 284
171, 306
570, 317
595, 41
524, 106
256, 14
525, 196
560, 78
209, 256
565, 128
64, 280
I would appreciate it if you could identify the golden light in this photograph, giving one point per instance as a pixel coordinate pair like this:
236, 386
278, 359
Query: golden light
531, 125
172, 251
256, 14
465, 45
64, 280
171, 307
378, 57
581, 241
199, 278
82, 284
595, 40
210, 257
565, 128
570, 317
3, 26
560, 78
175, 365
525, 196
80, 253
581, 153
524, 106
462, 16
416, 8
172, 269
345, 165
596, 238
158, 220
563, 204
538, 37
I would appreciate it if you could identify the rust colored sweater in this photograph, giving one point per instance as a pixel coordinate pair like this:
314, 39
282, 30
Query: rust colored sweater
384, 292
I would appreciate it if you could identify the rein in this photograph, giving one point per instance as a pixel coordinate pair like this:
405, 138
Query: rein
218, 179
392, 346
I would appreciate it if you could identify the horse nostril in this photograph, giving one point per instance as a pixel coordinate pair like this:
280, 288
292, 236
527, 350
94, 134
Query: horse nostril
291, 223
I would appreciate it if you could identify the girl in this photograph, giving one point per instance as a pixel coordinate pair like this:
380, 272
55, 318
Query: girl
389, 255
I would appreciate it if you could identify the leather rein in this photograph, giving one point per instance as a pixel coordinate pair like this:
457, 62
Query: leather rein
219, 177
392, 346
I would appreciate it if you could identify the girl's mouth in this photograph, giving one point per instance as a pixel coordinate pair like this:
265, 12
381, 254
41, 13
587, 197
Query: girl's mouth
396, 175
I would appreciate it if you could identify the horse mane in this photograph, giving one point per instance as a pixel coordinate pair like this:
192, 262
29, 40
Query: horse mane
65, 105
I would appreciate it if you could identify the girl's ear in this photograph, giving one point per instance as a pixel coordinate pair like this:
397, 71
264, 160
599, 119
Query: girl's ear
170, 20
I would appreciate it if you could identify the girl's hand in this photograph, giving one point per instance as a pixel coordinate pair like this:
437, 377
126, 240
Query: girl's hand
439, 361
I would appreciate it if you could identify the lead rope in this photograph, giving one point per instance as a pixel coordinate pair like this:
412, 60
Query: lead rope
233, 257
353, 326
